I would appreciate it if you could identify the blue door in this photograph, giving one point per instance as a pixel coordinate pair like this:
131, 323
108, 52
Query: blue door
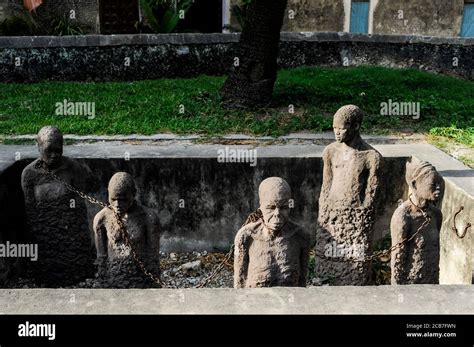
467, 28
359, 17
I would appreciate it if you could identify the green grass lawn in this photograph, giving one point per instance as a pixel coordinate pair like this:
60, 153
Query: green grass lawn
148, 107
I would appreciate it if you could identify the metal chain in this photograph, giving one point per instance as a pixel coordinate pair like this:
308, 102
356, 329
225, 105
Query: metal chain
40, 165
382, 253
123, 231
218, 269
128, 243
255, 216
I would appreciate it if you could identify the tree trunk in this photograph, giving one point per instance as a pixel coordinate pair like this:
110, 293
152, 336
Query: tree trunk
251, 82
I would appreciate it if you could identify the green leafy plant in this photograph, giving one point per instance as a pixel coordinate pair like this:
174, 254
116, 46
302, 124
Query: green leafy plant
162, 16
16, 26
20, 22
62, 26
42, 21
465, 135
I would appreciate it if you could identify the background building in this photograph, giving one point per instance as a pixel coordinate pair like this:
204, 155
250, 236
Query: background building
448, 18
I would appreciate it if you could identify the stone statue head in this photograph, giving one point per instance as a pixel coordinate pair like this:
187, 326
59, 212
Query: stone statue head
423, 179
274, 194
346, 123
50, 145
122, 192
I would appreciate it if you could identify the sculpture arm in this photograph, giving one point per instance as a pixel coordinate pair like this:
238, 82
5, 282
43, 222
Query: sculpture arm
28, 188
27, 185
326, 184
373, 181
100, 238
241, 258
327, 176
399, 229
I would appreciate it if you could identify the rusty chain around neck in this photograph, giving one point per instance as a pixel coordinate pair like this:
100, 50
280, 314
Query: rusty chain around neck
380, 254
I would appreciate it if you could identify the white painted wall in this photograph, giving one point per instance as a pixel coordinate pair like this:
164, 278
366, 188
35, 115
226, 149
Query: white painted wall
347, 15
372, 6
225, 15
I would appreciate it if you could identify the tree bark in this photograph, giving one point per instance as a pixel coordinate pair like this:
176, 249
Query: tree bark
250, 83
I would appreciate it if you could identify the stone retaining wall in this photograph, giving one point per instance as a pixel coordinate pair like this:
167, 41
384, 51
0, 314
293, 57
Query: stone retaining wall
138, 57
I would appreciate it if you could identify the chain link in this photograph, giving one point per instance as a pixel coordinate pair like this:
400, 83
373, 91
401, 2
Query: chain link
128, 243
380, 254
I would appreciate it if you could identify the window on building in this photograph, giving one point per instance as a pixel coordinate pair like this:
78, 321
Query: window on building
359, 17
467, 28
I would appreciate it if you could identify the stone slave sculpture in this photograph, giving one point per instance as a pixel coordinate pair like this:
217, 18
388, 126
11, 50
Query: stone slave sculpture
417, 261
57, 218
347, 203
116, 266
271, 250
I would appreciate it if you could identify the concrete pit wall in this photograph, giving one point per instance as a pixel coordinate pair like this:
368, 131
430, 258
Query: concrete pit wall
457, 255
104, 58
202, 203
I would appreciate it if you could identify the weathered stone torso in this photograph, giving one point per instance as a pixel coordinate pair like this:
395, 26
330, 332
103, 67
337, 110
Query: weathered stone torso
350, 171
418, 261
57, 221
121, 269
274, 261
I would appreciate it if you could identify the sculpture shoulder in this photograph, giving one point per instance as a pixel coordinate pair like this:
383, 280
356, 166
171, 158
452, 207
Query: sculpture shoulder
74, 166
370, 151
248, 232
30, 170
329, 149
101, 216
402, 214
70, 162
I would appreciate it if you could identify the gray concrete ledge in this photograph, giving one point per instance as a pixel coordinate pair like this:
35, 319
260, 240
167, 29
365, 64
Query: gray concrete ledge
196, 38
414, 299
450, 168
